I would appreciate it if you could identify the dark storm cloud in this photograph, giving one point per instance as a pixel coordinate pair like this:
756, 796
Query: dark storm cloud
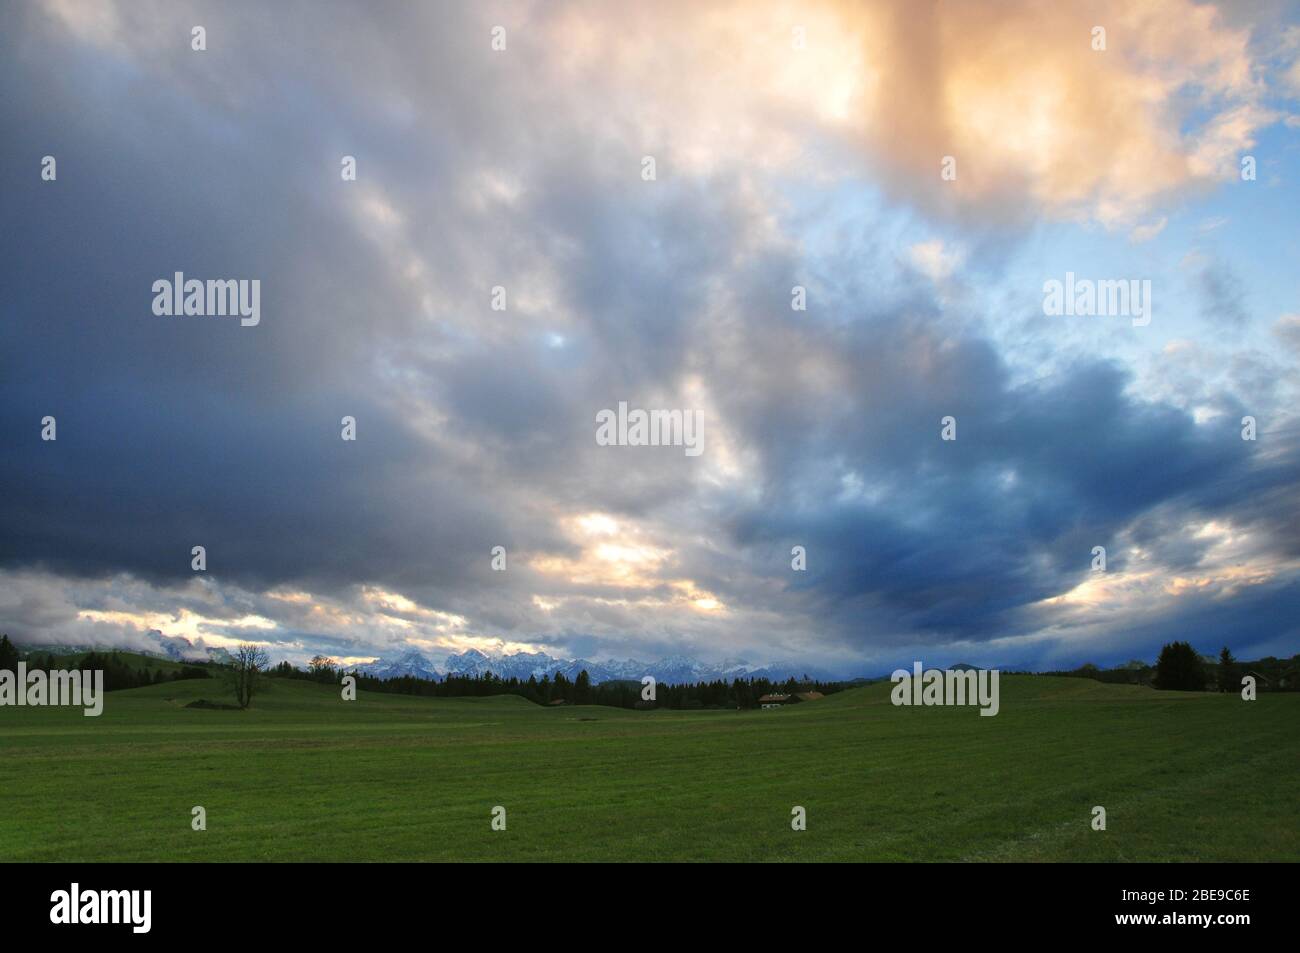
952, 539
181, 430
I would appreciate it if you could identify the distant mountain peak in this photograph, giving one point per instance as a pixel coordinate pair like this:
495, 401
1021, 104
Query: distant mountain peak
674, 669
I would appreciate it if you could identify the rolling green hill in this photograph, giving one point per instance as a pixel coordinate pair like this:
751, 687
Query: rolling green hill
304, 775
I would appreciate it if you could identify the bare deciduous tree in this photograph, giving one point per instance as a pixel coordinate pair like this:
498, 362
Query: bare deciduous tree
249, 662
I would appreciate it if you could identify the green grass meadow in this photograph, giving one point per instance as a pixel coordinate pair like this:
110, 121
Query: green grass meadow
306, 776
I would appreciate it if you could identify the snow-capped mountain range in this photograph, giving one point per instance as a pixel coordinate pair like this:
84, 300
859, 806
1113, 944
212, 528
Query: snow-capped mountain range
174, 647
180, 649
674, 670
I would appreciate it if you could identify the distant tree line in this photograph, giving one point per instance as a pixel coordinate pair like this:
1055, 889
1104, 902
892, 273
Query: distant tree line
118, 673
1181, 668
559, 689
8, 655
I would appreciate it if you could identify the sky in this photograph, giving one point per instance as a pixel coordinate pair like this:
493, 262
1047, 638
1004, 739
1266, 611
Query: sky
921, 171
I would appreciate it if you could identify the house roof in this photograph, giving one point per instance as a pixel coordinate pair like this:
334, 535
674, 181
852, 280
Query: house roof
773, 698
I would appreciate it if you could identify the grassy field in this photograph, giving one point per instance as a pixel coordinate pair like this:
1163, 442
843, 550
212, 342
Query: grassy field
304, 775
